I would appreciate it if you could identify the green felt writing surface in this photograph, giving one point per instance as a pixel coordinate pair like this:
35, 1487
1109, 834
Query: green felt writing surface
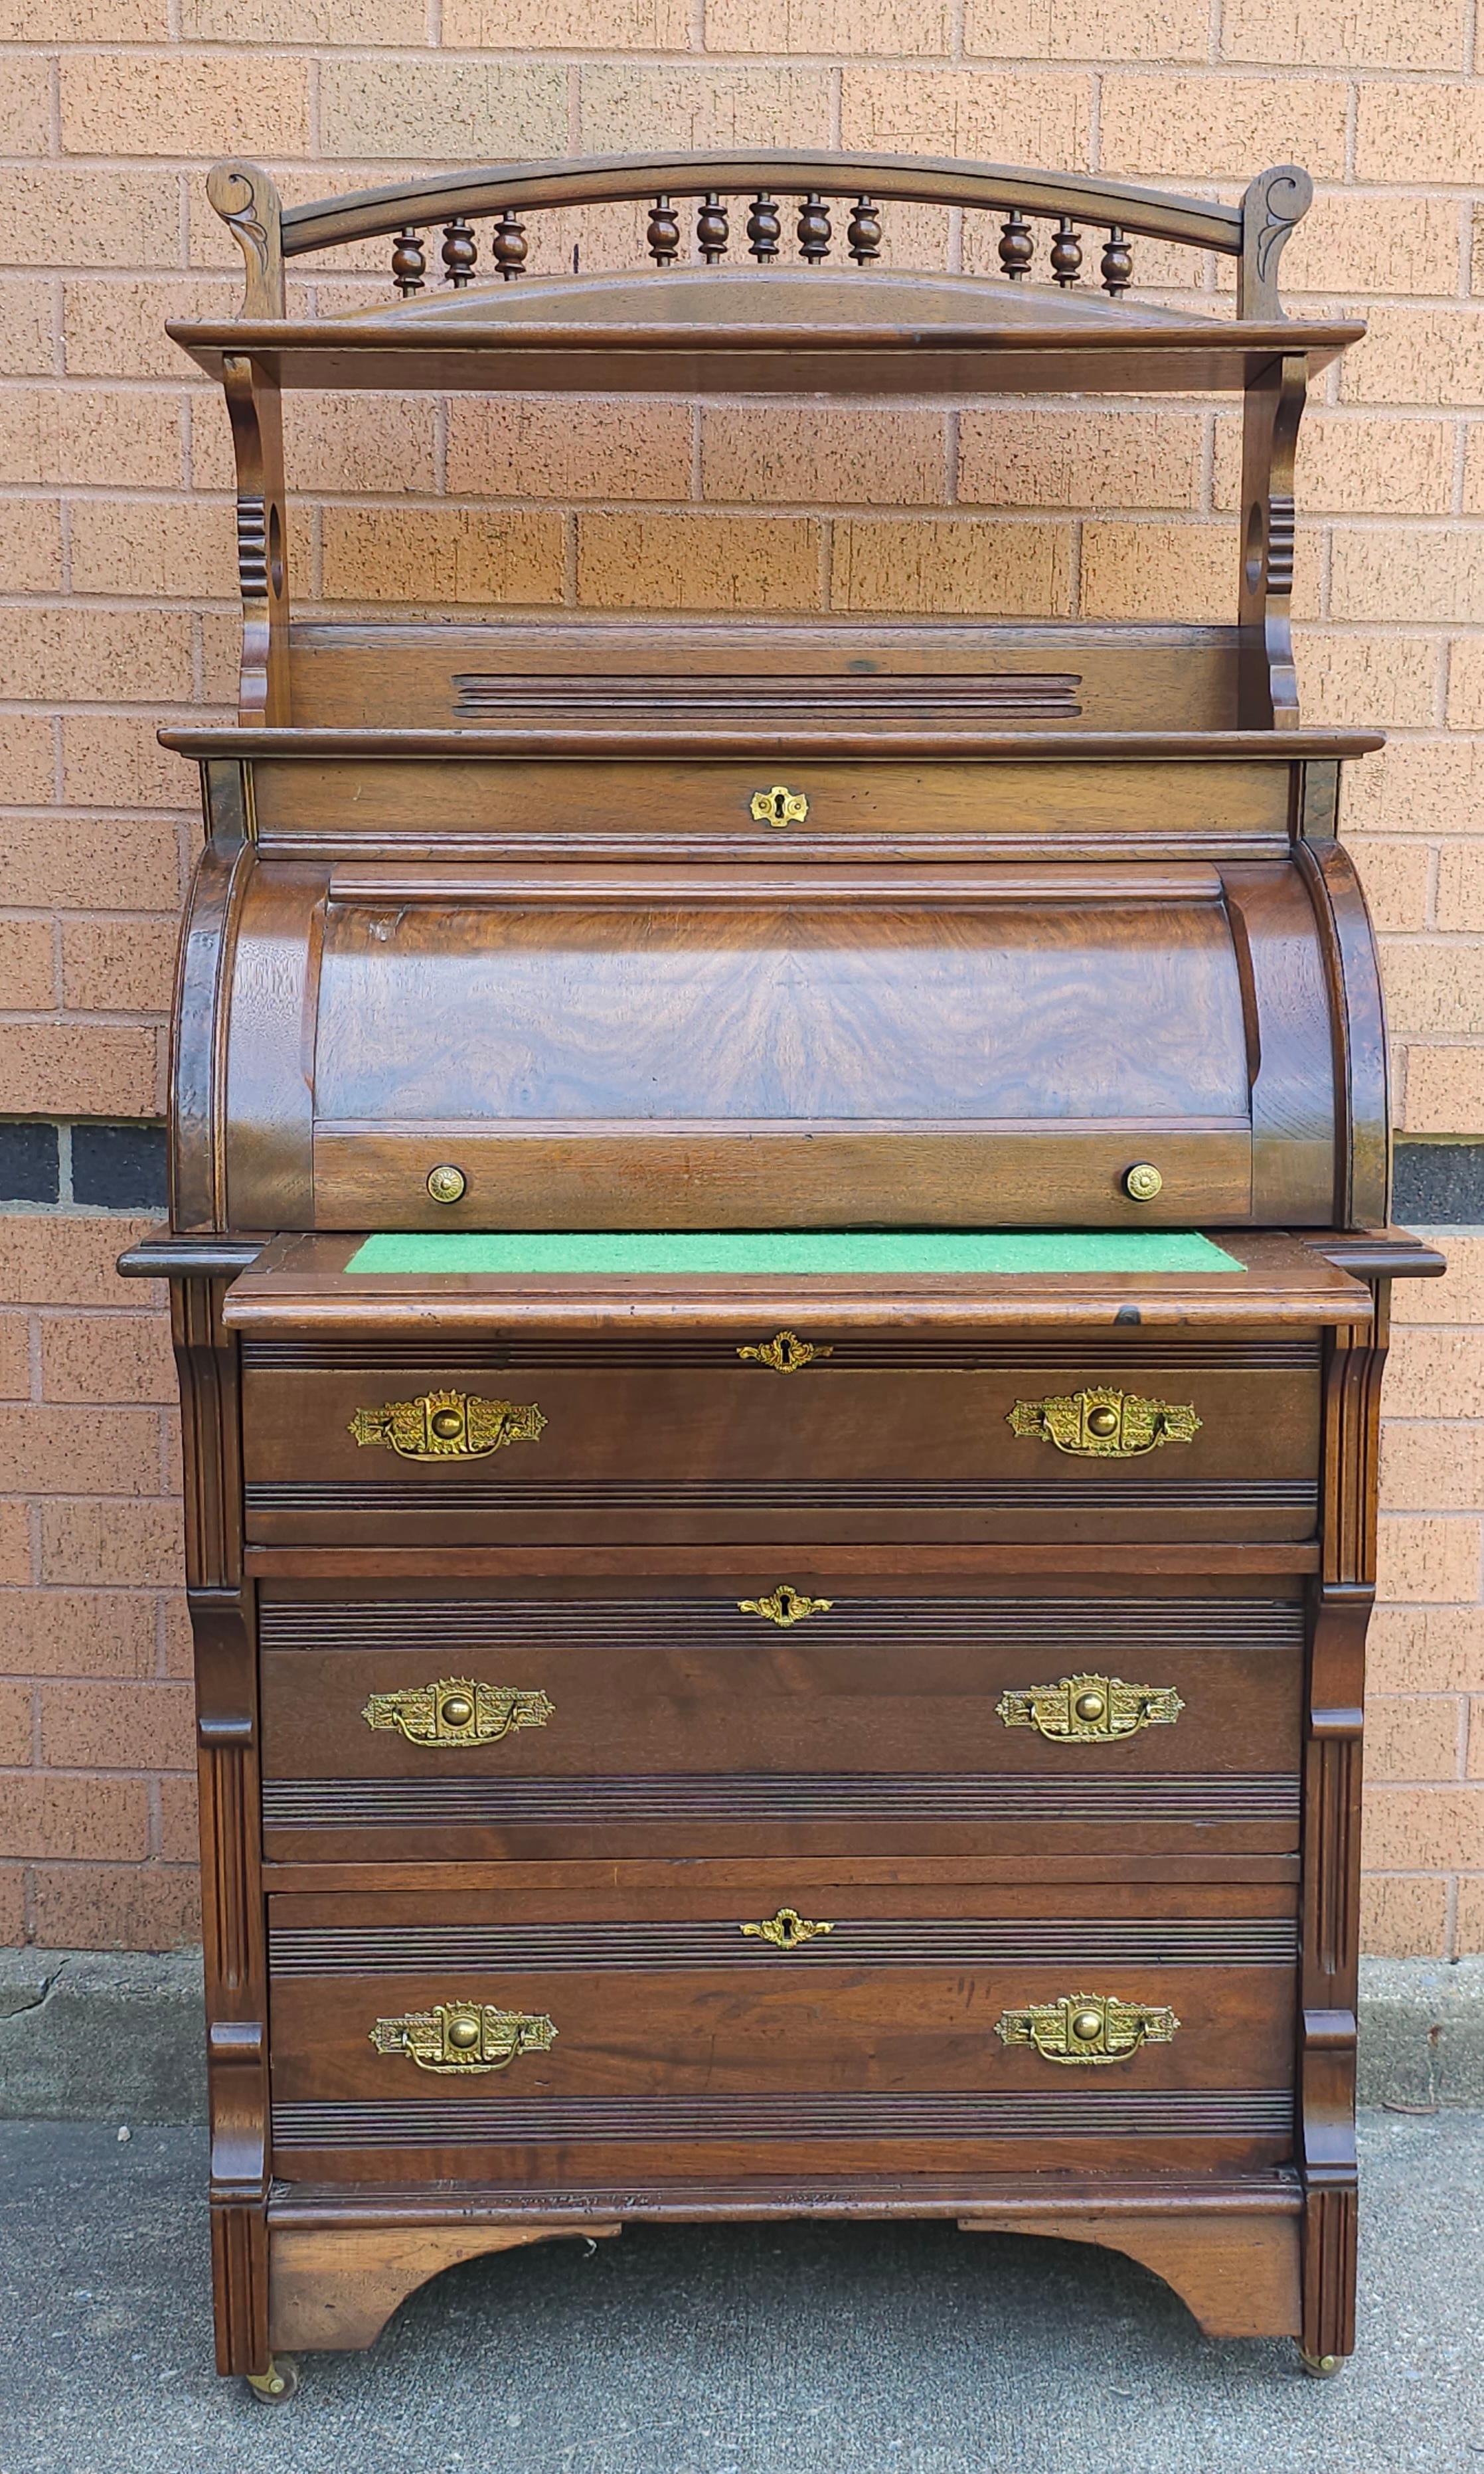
751, 1254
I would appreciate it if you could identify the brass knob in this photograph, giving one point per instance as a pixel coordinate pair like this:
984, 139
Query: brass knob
463, 2035
446, 1423
448, 1184
458, 1709
1142, 1181
1087, 2026
1103, 1421
1088, 1705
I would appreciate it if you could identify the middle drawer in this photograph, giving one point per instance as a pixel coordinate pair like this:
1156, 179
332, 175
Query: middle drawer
791, 1712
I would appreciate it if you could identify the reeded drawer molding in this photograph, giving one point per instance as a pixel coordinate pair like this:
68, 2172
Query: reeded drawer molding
444, 1490
577, 1804
1257, 1941
1079, 2113
850, 1352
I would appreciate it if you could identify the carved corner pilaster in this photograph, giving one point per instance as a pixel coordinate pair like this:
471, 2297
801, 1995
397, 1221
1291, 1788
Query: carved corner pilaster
1270, 414
255, 413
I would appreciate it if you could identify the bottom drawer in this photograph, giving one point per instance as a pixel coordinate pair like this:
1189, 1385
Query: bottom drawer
531, 2037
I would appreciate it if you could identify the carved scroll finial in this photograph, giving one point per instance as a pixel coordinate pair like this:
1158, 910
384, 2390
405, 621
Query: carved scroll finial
1270, 207
248, 203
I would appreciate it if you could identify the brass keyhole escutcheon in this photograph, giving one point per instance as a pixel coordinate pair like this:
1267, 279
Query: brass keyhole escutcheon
446, 1183
1142, 1182
779, 806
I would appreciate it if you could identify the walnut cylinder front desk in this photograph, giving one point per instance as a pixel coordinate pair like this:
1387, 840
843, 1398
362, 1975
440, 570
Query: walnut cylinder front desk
780, 1270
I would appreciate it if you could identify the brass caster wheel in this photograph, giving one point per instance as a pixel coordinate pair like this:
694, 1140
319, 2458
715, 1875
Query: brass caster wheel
1320, 2366
277, 2383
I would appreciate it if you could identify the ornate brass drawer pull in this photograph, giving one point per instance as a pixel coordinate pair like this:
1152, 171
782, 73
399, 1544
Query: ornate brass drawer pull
787, 1930
1104, 1425
785, 1606
447, 1426
1090, 1708
459, 2039
458, 1710
780, 805
786, 1353
1087, 2027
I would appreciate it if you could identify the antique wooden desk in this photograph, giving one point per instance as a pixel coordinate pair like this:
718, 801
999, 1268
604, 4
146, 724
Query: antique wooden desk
777, 1633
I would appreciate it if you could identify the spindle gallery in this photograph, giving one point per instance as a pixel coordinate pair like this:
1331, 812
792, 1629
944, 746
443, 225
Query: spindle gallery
780, 1265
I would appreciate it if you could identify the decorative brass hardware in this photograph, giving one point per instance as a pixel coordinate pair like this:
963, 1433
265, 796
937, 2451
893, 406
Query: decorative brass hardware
1105, 1424
447, 1426
780, 805
1090, 1708
446, 1184
459, 2039
1142, 1181
787, 1930
1087, 2027
458, 1710
786, 1353
785, 1606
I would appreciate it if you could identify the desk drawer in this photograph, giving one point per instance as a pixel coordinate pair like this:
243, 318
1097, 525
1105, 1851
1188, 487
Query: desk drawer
793, 1714
504, 2036
844, 1438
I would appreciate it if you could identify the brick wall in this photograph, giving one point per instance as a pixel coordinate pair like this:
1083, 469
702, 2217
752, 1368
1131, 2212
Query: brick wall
116, 578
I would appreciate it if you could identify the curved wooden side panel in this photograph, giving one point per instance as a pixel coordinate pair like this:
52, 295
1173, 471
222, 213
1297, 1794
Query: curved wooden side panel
333, 2289
198, 1022
1237, 2274
1363, 1182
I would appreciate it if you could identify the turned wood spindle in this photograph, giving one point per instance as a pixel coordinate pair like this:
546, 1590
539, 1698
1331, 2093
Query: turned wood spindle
1117, 261
764, 230
508, 245
459, 251
408, 263
813, 229
864, 237
711, 229
664, 233
1018, 248
1066, 253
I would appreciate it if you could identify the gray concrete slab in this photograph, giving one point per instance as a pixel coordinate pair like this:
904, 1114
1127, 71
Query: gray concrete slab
797, 2349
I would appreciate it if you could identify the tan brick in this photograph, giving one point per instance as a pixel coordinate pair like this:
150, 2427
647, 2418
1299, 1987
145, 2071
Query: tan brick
28, 765
108, 1632
1151, 571
129, 219
1424, 130
629, 105
105, 1907
117, 1727
25, 105
81, 433
1404, 1915
1469, 1924
1475, 1763
106, 1357
69, 1261
115, 760
179, 1823
1083, 29
28, 965
1426, 1649
14, 1927
1424, 356
82, 21
443, 110
543, 446
599, 26
65, 1450
78, 1068
71, 862
116, 656
30, 544
1217, 127
951, 564
119, 1543
1028, 118
1417, 786
1345, 34
1355, 463
14, 1362
185, 102
1408, 1736
1014, 457
26, 346
1473, 467
1427, 1364
1461, 891
348, 442
1425, 1828
1429, 1559
1396, 876
360, 23
1444, 1091
851, 29
1367, 682
179, 1655
51, 1816
442, 554
1458, 1297
830, 454
698, 561
118, 966
149, 545
1432, 986
15, 1545
1416, 571
116, 329
15, 1725
1363, 243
